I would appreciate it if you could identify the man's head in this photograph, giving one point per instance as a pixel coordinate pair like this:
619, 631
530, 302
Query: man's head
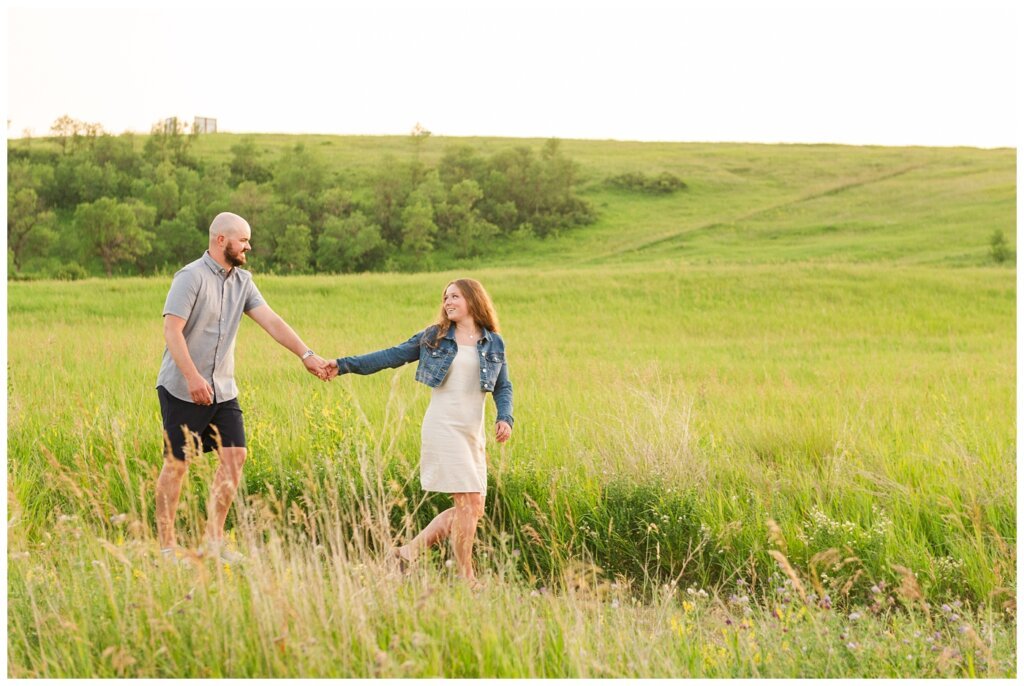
229, 238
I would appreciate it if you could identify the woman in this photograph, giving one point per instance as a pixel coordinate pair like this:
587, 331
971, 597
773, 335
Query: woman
461, 357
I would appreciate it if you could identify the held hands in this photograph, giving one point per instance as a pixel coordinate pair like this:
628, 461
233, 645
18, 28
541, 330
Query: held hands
502, 431
325, 370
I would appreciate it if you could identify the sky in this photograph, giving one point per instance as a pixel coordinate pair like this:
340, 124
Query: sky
885, 73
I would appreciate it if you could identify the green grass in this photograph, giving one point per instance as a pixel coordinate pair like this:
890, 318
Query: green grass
804, 337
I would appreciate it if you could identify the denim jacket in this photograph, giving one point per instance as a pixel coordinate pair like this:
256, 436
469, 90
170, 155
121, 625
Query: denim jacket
434, 363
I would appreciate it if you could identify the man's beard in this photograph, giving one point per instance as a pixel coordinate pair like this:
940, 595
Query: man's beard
235, 259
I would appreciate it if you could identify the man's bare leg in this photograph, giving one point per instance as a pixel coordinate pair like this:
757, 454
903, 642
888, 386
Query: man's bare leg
168, 491
222, 493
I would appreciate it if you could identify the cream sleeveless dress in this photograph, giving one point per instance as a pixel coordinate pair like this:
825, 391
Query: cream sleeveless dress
452, 458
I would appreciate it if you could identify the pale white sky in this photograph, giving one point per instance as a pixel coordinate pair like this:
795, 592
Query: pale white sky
890, 73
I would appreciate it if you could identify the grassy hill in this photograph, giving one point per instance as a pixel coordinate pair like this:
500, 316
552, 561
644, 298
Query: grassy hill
808, 350
745, 203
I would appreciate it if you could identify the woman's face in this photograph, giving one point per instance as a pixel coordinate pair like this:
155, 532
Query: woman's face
455, 306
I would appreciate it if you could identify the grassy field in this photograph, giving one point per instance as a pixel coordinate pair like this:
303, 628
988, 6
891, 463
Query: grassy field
805, 353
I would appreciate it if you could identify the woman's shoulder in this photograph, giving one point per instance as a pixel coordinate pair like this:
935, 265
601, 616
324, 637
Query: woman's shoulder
497, 340
425, 336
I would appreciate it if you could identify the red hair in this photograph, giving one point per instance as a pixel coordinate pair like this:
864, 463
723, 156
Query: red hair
479, 304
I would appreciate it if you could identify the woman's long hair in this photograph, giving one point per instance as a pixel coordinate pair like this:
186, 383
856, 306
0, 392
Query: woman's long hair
479, 304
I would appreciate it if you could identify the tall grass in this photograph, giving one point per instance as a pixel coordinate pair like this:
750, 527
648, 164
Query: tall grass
664, 416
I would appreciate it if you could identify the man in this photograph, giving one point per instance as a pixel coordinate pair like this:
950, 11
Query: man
196, 386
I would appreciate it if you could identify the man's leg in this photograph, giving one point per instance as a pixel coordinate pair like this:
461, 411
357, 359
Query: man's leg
225, 484
168, 490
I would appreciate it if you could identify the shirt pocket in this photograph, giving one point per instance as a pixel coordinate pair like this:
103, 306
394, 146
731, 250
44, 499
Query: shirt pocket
492, 362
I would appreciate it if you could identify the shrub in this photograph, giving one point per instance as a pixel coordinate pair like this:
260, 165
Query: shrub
72, 271
1000, 251
662, 184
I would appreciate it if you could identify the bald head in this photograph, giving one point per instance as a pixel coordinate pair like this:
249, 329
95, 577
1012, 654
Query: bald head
227, 224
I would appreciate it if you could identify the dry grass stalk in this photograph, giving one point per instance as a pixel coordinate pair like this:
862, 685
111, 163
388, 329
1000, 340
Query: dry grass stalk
775, 536
824, 559
910, 590
791, 573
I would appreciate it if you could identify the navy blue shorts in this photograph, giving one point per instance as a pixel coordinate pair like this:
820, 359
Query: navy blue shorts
186, 423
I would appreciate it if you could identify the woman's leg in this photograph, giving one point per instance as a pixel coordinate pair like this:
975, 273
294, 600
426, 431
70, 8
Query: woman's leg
469, 508
438, 530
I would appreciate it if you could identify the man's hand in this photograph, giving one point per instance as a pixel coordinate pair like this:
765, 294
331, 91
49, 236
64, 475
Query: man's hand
502, 431
200, 390
317, 366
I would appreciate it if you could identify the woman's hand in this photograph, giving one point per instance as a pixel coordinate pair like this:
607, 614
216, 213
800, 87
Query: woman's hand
502, 431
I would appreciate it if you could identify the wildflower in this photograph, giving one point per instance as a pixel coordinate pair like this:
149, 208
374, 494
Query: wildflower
702, 593
688, 606
615, 603
854, 616
851, 645
449, 563
826, 602
119, 518
875, 589
946, 609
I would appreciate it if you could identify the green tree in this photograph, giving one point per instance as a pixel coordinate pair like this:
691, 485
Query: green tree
350, 244
251, 202
112, 230
294, 252
64, 128
418, 227
246, 163
269, 235
29, 226
391, 186
164, 197
1000, 251
300, 177
177, 242
467, 231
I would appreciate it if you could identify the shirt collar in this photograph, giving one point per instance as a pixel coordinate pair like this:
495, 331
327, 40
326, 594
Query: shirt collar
484, 333
212, 264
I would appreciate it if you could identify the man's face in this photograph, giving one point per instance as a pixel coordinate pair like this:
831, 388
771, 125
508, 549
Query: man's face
236, 246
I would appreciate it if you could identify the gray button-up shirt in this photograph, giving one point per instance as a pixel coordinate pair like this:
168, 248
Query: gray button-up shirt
211, 300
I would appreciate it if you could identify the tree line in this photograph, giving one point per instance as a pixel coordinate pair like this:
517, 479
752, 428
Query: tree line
96, 203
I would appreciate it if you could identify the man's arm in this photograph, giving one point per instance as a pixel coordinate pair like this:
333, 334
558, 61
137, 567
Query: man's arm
198, 387
282, 333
